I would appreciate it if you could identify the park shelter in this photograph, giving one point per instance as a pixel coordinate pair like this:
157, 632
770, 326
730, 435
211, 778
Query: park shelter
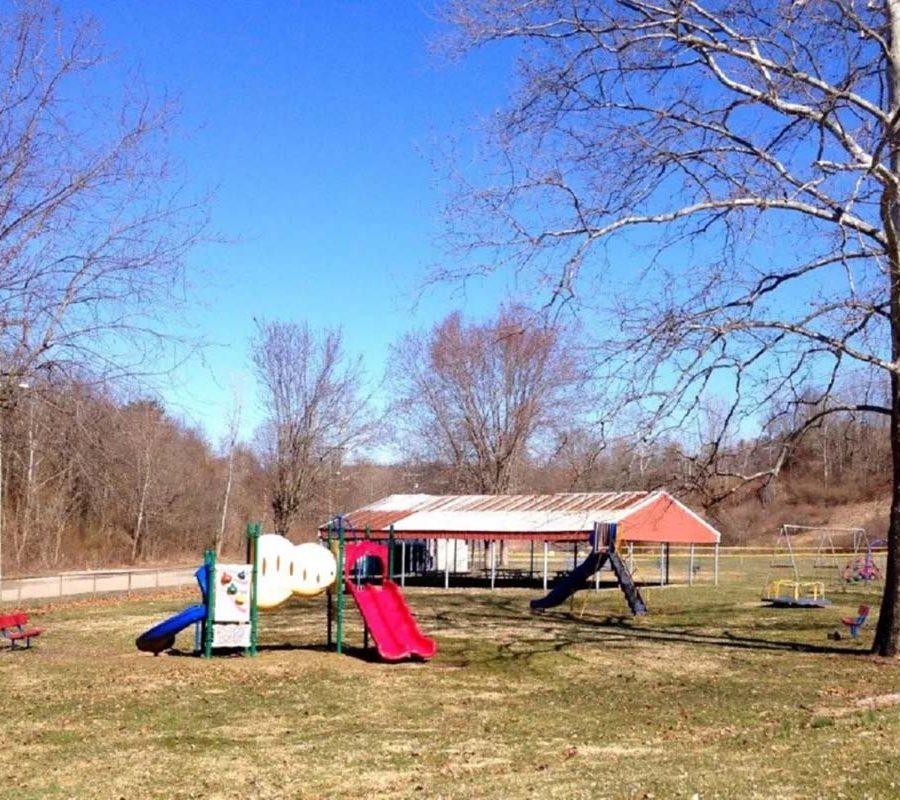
642, 518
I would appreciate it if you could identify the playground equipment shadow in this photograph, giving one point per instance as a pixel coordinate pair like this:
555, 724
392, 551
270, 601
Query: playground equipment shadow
368, 654
624, 627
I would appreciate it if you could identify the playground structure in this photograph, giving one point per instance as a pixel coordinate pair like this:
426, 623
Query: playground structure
791, 592
277, 570
386, 616
863, 567
854, 624
385, 613
603, 549
831, 548
832, 545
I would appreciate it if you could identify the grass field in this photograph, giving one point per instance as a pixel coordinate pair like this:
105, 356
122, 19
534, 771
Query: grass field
711, 695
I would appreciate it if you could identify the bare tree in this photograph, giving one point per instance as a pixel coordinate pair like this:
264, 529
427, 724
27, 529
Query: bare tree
748, 155
579, 452
163, 482
317, 412
93, 228
478, 397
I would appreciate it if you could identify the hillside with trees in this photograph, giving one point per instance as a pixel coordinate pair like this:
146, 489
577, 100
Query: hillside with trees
93, 479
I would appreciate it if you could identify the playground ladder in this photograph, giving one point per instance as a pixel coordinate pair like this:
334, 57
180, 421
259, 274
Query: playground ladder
626, 584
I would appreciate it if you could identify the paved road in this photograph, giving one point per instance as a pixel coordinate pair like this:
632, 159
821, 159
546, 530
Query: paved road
69, 584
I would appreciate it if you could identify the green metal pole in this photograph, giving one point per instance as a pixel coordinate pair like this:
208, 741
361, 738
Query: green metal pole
253, 532
209, 560
339, 635
329, 601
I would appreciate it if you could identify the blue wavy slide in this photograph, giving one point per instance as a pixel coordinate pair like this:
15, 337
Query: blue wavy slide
572, 582
162, 637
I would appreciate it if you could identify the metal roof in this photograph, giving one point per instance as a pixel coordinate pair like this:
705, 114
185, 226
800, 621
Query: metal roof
544, 516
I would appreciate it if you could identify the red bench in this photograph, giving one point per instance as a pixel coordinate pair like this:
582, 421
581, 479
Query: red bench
15, 627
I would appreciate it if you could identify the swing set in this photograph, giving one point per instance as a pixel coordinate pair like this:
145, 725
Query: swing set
793, 592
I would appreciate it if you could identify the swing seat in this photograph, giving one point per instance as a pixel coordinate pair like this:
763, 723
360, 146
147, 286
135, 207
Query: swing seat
855, 623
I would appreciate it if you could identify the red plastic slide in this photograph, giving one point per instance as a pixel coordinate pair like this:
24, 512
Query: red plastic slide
384, 610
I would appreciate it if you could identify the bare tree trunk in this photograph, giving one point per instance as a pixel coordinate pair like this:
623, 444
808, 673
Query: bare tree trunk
234, 423
887, 633
220, 535
26, 513
136, 540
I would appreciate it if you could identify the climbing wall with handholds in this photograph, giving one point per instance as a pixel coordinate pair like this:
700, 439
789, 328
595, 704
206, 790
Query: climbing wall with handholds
231, 624
232, 593
287, 570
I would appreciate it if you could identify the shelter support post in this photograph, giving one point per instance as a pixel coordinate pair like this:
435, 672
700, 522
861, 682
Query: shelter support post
403, 562
531, 567
662, 565
631, 557
546, 554
716, 565
493, 566
447, 563
691, 566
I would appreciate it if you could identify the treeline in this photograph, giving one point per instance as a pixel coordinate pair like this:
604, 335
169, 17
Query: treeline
89, 479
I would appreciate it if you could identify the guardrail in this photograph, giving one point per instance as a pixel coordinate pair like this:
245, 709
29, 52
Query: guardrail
93, 582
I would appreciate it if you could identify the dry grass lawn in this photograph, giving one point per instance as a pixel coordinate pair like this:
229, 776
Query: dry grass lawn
712, 695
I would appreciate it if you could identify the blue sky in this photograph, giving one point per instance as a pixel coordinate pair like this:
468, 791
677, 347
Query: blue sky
316, 125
